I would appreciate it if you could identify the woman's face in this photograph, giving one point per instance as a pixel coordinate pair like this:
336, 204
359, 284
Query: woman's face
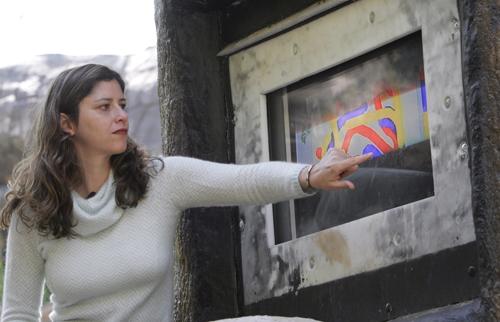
103, 122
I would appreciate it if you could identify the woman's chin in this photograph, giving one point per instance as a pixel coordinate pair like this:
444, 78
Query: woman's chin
119, 150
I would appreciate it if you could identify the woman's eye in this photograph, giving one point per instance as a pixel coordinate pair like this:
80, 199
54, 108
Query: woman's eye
123, 106
104, 107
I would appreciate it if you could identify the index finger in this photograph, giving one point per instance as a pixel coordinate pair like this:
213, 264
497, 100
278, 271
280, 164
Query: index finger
347, 163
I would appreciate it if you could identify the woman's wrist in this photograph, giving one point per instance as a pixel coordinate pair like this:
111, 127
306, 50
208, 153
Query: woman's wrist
305, 179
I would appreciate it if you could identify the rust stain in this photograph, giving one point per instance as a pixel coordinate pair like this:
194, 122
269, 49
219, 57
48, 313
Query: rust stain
334, 246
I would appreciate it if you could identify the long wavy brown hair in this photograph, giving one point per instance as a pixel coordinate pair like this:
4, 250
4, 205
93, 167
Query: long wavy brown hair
40, 186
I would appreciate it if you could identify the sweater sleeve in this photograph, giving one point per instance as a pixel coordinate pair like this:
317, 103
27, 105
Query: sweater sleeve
197, 183
24, 275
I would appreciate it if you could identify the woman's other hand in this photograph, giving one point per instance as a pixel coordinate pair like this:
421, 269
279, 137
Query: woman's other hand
330, 172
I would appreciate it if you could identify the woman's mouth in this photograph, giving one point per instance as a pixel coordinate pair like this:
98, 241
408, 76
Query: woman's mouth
121, 131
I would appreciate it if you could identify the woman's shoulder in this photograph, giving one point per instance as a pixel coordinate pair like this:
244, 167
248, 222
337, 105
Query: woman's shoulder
160, 165
172, 169
161, 162
23, 223
165, 173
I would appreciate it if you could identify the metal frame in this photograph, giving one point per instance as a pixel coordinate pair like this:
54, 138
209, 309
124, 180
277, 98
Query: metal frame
396, 235
293, 227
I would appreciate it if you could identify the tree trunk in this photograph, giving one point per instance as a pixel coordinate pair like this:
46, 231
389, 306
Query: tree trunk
196, 120
480, 49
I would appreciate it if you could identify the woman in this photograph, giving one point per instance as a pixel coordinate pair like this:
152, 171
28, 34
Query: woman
94, 216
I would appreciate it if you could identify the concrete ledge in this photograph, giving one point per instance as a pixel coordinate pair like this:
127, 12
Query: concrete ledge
266, 318
463, 312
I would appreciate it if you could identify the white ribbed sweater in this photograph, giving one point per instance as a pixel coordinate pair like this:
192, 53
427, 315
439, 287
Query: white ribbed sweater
120, 266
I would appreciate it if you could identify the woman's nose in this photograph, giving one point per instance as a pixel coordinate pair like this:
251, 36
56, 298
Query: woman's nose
121, 114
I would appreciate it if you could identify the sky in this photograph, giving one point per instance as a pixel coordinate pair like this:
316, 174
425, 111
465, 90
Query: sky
74, 27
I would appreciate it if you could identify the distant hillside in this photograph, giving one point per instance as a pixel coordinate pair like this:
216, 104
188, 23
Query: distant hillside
22, 87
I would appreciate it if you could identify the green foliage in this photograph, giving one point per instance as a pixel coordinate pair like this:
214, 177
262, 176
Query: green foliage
1, 279
46, 295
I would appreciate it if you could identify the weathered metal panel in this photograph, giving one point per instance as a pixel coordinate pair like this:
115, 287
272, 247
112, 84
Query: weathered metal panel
400, 234
242, 19
417, 285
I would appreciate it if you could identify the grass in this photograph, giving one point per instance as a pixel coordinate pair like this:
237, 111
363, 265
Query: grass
1, 280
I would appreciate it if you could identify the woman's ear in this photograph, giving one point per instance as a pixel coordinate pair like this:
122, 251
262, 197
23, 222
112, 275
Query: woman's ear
67, 125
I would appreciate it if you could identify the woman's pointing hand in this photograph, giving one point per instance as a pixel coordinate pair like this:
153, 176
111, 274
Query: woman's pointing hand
330, 171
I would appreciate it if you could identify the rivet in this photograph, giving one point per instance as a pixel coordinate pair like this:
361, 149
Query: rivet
447, 102
311, 262
472, 271
396, 239
296, 293
372, 17
295, 49
463, 151
242, 224
388, 307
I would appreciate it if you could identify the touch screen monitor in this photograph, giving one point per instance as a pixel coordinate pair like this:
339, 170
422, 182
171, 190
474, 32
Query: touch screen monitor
374, 103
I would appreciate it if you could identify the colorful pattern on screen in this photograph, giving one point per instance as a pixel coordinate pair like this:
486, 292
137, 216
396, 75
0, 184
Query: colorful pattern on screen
391, 121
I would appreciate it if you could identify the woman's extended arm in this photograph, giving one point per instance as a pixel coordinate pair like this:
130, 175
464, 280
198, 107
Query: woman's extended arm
23, 279
197, 183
